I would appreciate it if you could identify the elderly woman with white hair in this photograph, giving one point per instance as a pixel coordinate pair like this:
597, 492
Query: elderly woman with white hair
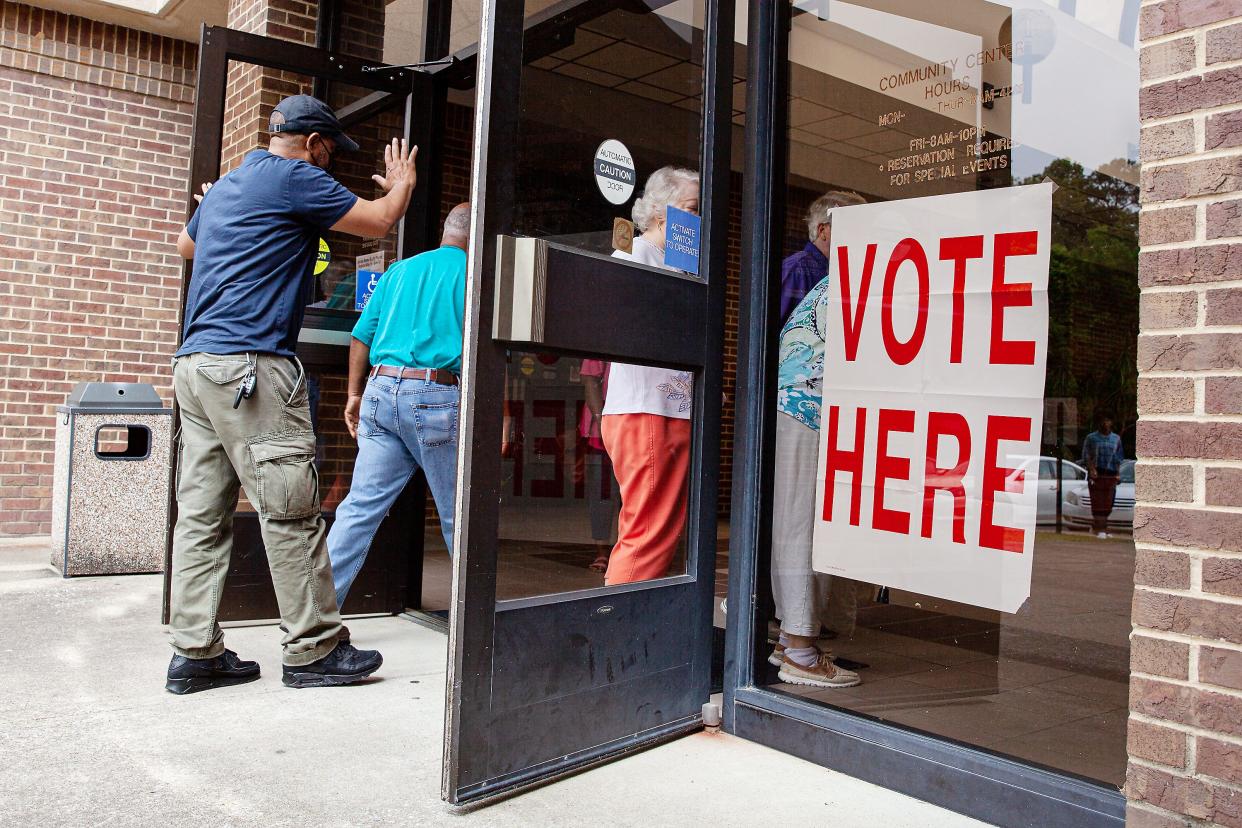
646, 415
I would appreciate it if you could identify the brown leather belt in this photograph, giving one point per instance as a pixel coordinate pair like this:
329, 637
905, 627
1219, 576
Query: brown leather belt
436, 375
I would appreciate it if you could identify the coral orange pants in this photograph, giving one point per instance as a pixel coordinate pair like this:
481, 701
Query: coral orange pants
651, 459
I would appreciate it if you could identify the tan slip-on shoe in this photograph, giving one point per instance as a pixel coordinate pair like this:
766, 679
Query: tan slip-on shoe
823, 673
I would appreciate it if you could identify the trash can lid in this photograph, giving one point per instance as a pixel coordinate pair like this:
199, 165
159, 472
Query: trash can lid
115, 397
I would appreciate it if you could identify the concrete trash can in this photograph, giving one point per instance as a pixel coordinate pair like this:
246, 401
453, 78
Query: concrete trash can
110, 480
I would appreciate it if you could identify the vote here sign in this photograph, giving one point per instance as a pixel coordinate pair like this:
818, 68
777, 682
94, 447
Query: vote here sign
933, 394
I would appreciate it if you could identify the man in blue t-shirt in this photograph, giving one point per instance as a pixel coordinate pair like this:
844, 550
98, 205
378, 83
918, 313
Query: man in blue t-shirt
1102, 454
241, 393
404, 363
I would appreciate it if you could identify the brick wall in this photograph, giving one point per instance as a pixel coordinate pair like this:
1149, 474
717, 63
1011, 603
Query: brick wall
455, 156
252, 91
1185, 734
95, 126
97, 121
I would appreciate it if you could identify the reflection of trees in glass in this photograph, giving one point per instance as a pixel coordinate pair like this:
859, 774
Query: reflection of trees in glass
1093, 292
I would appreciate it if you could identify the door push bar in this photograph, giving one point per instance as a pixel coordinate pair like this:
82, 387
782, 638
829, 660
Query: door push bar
521, 292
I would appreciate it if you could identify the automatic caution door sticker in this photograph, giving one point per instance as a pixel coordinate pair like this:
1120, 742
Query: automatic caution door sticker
614, 171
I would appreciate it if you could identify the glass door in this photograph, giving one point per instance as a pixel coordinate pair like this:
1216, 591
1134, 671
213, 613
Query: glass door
581, 622
866, 112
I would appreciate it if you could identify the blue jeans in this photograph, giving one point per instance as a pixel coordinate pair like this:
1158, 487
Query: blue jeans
405, 425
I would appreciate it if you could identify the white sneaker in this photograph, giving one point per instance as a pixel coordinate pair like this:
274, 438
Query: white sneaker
1102, 536
823, 673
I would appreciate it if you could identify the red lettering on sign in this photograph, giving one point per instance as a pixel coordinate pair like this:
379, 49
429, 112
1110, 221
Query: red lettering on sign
553, 447
1010, 295
903, 353
515, 414
581, 451
958, 250
946, 478
851, 319
888, 467
1001, 479
850, 462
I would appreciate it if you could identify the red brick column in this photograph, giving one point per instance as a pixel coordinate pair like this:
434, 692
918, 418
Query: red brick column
253, 90
1185, 736
95, 130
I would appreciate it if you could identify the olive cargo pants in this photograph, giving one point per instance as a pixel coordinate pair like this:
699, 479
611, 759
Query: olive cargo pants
267, 447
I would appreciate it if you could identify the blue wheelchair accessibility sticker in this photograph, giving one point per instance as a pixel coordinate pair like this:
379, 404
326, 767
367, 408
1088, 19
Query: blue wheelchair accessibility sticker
368, 271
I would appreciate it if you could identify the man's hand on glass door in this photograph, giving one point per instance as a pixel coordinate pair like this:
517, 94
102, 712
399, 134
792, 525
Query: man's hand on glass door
398, 166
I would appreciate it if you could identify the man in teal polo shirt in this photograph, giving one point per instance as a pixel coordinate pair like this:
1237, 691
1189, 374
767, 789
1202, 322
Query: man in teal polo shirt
404, 363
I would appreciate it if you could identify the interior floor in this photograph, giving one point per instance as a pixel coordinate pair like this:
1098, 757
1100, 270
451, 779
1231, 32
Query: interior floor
1048, 684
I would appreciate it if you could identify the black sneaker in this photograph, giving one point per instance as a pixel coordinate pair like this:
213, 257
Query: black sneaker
346, 664
190, 675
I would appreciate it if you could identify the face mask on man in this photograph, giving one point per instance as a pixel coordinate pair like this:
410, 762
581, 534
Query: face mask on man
322, 156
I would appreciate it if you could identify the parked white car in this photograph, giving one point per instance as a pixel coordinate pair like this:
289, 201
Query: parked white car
1076, 509
1071, 474
1046, 502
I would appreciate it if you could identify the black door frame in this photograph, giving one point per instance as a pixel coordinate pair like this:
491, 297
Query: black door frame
481, 625
956, 776
393, 87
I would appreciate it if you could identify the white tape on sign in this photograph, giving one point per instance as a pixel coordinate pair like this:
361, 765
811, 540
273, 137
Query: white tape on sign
933, 385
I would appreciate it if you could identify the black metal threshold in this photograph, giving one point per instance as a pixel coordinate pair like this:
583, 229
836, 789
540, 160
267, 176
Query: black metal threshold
972, 782
433, 620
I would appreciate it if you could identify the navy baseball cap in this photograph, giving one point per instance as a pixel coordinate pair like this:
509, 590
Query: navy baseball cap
304, 114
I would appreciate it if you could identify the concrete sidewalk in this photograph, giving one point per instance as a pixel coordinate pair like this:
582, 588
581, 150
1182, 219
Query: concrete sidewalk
88, 736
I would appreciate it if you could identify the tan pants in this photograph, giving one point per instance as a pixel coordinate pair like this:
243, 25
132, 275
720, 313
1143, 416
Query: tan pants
805, 599
267, 447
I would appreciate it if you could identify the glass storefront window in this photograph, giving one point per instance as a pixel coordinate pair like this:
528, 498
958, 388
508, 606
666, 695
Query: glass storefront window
973, 96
